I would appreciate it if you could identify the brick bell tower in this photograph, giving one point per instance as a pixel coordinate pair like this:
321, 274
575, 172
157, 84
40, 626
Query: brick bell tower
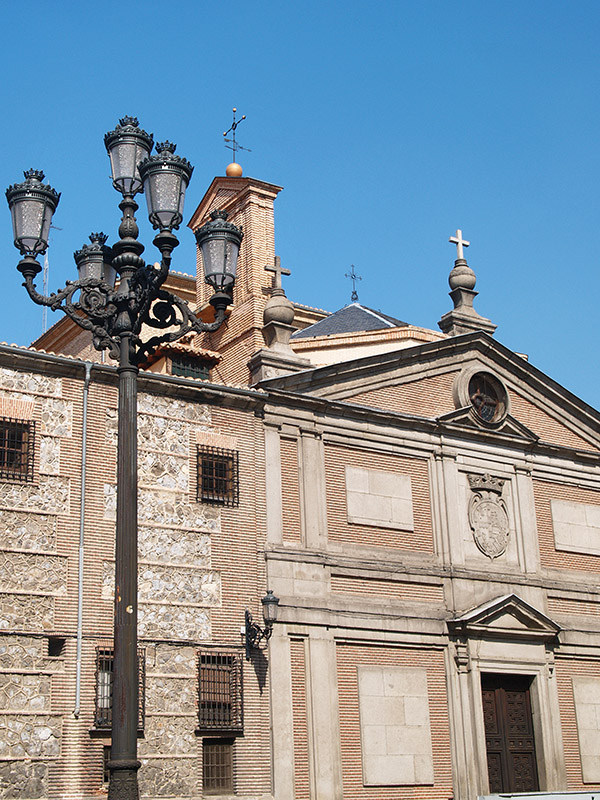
249, 203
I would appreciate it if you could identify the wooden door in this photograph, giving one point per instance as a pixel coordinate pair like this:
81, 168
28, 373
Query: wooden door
509, 736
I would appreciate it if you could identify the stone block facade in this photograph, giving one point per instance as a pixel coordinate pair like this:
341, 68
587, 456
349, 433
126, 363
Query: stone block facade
395, 730
472, 585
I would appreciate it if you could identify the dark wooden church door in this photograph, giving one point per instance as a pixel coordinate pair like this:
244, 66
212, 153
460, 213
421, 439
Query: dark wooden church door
509, 733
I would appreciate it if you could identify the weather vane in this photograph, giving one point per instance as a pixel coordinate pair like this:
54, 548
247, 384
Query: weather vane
232, 143
353, 277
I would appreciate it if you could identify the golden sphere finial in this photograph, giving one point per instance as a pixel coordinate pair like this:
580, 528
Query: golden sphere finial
234, 170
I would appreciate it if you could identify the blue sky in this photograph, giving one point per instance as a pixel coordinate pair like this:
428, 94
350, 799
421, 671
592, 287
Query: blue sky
389, 124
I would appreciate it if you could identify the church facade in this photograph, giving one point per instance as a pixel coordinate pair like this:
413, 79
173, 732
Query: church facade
425, 505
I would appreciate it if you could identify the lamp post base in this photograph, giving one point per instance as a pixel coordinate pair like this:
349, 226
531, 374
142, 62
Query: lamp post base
123, 780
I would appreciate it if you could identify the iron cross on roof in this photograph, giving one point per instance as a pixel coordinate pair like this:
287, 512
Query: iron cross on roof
460, 243
279, 271
353, 277
233, 144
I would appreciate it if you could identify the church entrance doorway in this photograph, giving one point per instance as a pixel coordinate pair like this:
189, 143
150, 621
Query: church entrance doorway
509, 737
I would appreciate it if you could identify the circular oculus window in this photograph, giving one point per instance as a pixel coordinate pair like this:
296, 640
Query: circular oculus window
487, 397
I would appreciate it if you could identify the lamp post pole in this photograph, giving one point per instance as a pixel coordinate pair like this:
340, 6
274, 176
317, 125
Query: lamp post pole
125, 700
115, 317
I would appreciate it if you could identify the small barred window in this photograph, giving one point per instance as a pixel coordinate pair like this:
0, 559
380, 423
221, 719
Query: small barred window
217, 766
190, 367
220, 692
105, 657
218, 476
17, 440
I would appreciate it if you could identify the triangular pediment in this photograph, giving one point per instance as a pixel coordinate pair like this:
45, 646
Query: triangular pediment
421, 382
463, 418
505, 617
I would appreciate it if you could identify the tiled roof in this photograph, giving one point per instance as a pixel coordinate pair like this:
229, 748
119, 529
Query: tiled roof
350, 319
182, 348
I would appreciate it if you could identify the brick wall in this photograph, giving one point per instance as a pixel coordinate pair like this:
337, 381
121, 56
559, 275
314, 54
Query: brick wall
300, 721
250, 205
543, 425
425, 397
558, 605
236, 550
290, 490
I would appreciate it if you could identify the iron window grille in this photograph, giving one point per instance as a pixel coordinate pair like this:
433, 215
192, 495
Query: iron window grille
218, 476
487, 396
220, 706
105, 769
217, 766
105, 657
190, 367
17, 441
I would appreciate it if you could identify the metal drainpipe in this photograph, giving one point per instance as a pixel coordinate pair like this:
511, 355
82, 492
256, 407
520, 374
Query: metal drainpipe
86, 388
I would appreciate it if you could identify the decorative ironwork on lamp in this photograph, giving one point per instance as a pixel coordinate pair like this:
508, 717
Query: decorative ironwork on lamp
114, 313
253, 633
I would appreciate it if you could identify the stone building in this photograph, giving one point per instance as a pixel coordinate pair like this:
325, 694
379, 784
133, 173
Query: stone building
424, 503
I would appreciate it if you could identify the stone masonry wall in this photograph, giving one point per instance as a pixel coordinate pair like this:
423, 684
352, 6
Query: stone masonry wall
176, 584
177, 587
194, 580
32, 576
30, 733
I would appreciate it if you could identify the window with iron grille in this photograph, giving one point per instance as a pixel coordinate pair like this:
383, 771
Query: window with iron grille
218, 476
105, 769
190, 367
16, 449
105, 657
217, 766
220, 692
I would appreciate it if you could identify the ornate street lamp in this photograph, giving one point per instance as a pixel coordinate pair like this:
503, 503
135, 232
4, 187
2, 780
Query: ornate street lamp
219, 242
32, 204
115, 315
253, 633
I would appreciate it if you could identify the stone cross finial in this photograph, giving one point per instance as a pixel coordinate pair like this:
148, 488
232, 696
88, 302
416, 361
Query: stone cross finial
463, 318
460, 243
279, 271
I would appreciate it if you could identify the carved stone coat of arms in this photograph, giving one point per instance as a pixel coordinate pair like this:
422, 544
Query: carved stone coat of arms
488, 515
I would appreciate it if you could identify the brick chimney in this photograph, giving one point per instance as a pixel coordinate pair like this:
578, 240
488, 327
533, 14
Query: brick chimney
249, 203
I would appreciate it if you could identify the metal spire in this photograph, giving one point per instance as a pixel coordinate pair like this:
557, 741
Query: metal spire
232, 143
353, 277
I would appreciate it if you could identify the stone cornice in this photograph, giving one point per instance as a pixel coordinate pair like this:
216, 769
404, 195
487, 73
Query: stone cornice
326, 408
27, 359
